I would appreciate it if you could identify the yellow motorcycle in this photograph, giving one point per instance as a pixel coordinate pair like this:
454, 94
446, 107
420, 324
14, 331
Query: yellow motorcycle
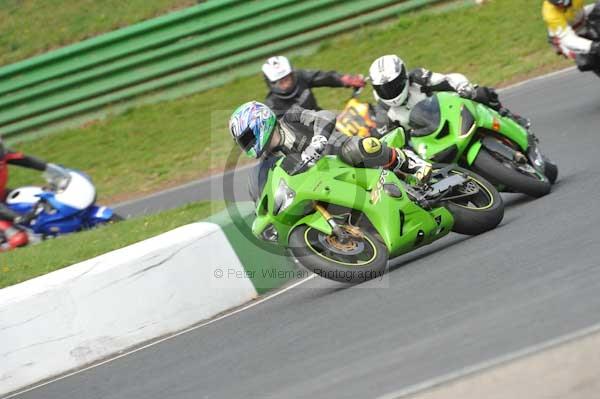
357, 118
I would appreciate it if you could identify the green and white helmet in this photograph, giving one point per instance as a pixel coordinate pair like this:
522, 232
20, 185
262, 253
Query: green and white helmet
251, 125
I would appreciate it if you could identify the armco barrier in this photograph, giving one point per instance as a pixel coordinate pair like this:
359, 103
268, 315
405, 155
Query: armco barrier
83, 313
176, 49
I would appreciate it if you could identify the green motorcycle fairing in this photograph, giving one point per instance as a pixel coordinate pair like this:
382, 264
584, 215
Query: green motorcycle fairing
401, 223
449, 128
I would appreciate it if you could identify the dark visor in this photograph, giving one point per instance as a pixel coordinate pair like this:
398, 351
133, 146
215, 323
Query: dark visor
246, 139
393, 88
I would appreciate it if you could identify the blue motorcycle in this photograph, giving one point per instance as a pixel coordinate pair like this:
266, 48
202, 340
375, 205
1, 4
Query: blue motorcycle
66, 205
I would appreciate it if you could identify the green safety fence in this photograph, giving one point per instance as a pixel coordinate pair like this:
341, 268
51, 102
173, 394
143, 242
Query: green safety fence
177, 49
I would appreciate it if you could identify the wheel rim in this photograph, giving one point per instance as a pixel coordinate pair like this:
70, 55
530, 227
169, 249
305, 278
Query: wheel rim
481, 200
359, 251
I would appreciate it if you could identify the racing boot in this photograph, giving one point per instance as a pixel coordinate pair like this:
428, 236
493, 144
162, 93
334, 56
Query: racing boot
411, 163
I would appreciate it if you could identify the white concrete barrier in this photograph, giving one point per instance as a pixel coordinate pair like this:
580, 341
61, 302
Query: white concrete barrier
80, 314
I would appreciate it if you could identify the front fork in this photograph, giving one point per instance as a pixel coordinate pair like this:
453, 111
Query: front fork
342, 235
534, 154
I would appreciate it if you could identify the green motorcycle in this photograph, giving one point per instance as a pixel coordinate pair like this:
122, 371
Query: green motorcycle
451, 129
343, 223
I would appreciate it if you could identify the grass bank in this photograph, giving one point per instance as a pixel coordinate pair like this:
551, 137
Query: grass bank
25, 263
162, 145
30, 27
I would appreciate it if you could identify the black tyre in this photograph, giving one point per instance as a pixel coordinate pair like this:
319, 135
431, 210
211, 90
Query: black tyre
115, 218
550, 170
99, 223
362, 258
508, 174
477, 213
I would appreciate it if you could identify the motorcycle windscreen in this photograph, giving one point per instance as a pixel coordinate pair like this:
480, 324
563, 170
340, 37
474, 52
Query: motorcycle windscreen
79, 194
425, 117
258, 177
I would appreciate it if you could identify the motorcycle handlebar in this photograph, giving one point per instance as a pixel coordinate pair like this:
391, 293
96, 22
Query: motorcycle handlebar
357, 90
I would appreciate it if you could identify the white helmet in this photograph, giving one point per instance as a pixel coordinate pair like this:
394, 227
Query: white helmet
389, 80
275, 69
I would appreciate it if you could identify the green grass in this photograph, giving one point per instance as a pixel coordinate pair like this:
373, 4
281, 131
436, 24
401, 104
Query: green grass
29, 27
25, 263
169, 143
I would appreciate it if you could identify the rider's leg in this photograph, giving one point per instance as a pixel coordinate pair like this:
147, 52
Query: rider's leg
372, 153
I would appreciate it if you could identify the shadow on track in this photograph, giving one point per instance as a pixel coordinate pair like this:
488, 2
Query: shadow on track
401, 261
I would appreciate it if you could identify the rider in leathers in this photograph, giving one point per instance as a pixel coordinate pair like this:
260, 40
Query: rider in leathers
288, 86
572, 30
312, 134
12, 236
398, 91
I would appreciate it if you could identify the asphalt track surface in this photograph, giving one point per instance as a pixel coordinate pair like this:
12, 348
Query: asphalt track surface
456, 303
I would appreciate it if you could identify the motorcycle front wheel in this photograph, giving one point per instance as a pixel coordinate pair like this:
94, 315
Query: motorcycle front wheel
360, 258
519, 178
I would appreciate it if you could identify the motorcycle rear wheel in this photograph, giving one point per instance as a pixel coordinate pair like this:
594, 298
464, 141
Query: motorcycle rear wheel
480, 212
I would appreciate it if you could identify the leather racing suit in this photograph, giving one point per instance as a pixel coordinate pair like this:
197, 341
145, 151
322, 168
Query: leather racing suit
302, 129
423, 83
565, 25
302, 94
10, 235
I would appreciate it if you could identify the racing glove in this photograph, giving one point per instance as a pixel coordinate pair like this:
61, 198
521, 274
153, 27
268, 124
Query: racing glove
314, 151
356, 81
465, 90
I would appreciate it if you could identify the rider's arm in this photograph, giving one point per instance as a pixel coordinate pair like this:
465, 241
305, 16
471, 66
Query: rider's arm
20, 159
314, 78
561, 33
330, 79
383, 122
322, 122
569, 43
433, 81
